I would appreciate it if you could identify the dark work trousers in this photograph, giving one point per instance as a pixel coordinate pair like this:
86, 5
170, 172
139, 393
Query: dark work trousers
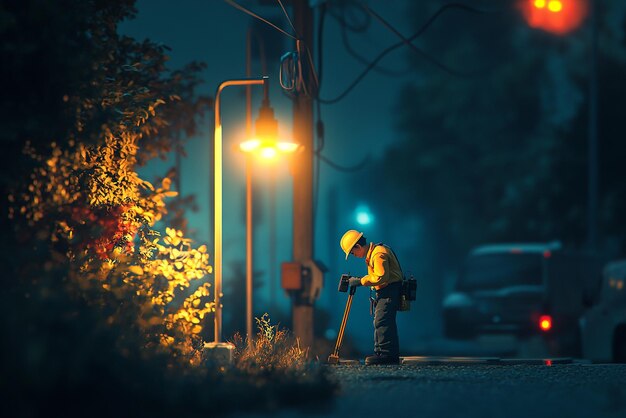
386, 305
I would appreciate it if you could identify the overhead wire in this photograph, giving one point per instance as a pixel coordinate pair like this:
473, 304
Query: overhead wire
362, 59
372, 65
288, 19
341, 18
346, 169
360, 77
408, 41
320, 124
243, 9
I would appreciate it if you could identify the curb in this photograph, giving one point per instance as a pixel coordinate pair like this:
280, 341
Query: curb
463, 361
428, 360
433, 360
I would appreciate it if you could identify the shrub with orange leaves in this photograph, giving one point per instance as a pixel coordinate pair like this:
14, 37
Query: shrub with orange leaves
82, 201
104, 215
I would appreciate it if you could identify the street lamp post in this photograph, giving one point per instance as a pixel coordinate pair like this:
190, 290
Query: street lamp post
217, 202
267, 146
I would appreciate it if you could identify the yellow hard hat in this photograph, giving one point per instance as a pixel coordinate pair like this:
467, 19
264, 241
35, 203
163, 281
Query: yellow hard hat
348, 240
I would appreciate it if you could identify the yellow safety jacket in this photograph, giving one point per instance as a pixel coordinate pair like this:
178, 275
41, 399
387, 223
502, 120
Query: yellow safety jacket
382, 267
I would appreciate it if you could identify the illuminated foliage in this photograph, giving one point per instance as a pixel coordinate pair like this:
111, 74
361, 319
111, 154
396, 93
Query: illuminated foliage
81, 197
91, 202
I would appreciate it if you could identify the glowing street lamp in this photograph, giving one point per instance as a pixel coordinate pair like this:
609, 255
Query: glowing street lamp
218, 203
266, 146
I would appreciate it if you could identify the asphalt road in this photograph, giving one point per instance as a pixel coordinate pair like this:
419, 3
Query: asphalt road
474, 390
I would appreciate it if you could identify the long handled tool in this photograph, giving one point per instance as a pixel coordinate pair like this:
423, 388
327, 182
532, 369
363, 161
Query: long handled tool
334, 357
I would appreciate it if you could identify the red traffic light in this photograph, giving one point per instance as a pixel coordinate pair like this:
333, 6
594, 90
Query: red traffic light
555, 16
554, 6
545, 322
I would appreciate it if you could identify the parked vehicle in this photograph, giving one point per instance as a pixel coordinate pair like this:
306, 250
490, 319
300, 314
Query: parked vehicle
524, 289
603, 327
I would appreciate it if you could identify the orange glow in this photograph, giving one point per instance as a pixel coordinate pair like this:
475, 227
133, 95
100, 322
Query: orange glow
556, 16
545, 322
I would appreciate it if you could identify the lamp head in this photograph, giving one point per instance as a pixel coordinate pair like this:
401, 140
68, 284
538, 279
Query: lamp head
266, 143
266, 124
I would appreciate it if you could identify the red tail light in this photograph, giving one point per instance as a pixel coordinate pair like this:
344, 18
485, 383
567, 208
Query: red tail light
545, 322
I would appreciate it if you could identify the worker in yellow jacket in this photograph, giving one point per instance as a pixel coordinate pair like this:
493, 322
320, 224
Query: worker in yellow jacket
385, 277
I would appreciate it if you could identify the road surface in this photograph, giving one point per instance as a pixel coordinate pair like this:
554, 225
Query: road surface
473, 390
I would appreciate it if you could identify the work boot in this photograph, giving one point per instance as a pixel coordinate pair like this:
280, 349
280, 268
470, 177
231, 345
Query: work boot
378, 359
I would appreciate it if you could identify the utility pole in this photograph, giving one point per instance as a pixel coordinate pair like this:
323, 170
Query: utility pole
302, 307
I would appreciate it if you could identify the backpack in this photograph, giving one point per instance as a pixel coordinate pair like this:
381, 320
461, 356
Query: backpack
408, 292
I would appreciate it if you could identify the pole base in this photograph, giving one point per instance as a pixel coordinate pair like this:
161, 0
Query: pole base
219, 354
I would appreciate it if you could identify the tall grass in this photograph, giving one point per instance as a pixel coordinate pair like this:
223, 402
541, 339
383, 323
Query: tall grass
274, 350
